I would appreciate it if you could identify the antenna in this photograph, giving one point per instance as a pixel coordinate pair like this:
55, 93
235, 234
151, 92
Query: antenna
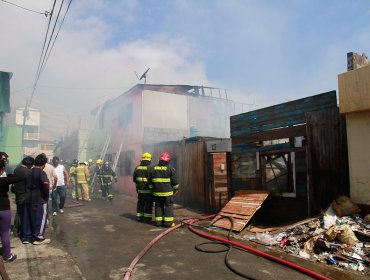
143, 76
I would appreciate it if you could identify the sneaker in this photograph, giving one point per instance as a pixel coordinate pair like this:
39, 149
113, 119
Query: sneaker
41, 241
25, 241
54, 213
61, 211
11, 258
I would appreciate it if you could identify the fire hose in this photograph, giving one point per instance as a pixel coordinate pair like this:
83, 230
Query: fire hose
191, 225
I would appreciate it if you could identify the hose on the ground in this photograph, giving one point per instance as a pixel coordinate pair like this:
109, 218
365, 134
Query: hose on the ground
258, 252
228, 248
150, 245
191, 227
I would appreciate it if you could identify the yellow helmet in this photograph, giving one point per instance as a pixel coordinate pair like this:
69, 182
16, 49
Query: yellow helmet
99, 161
146, 156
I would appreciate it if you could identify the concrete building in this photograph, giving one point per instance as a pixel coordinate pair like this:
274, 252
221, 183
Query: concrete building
148, 114
354, 102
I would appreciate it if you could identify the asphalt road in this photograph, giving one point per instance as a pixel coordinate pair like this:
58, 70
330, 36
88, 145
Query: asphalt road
104, 238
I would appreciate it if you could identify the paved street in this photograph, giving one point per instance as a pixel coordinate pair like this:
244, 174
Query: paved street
104, 238
100, 240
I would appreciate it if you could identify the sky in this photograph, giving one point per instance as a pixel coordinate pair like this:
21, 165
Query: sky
263, 52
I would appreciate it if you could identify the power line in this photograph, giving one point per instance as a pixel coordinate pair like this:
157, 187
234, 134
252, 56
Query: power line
46, 13
56, 36
42, 52
45, 53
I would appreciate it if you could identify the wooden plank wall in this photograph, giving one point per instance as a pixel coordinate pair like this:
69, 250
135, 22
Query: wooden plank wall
328, 158
218, 184
276, 122
190, 161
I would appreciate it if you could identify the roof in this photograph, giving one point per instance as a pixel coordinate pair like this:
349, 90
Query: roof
189, 90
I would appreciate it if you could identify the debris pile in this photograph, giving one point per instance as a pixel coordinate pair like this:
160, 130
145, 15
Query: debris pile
338, 237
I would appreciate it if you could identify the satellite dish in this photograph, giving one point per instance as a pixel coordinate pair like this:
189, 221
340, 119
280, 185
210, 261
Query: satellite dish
143, 76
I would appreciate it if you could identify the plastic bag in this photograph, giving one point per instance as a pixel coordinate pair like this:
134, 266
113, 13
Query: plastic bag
265, 238
329, 218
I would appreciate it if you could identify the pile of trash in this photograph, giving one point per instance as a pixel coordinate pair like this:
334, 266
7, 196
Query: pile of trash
338, 237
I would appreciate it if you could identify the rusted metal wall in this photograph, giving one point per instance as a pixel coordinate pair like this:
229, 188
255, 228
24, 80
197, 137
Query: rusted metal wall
327, 157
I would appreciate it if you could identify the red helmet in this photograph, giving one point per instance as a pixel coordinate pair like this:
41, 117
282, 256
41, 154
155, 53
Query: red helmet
165, 157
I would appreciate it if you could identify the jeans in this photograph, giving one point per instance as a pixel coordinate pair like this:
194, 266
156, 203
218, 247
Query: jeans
61, 192
5, 220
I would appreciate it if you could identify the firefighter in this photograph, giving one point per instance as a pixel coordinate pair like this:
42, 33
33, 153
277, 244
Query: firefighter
72, 174
106, 175
82, 180
144, 193
97, 184
163, 179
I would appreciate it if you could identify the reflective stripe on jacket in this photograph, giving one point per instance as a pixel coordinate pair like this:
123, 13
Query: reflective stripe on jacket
82, 173
141, 179
163, 179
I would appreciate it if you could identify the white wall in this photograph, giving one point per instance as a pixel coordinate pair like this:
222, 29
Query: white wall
358, 134
164, 110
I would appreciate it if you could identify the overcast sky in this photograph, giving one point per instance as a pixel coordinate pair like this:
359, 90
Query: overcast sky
262, 52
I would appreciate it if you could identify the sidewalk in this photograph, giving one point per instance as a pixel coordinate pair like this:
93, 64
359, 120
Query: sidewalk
49, 261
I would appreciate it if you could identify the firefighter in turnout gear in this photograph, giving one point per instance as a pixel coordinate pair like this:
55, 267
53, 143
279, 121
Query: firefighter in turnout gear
163, 179
106, 174
98, 175
144, 193
82, 180
73, 177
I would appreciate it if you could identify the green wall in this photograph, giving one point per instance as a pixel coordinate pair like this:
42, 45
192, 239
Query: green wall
11, 143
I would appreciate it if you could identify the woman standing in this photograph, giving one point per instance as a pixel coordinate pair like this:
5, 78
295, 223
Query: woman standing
5, 212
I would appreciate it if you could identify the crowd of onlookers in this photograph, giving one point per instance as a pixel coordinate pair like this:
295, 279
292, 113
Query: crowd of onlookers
31, 182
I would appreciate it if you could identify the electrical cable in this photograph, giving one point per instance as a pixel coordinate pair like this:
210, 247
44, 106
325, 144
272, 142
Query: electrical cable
43, 63
56, 36
42, 53
46, 13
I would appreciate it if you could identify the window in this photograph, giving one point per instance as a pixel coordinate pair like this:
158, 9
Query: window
127, 164
101, 119
125, 115
284, 173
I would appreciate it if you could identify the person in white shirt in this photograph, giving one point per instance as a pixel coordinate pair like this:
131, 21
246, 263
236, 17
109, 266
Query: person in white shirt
60, 187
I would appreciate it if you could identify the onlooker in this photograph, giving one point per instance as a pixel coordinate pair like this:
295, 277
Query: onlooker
51, 174
4, 160
5, 212
19, 189
60, 189
35, 206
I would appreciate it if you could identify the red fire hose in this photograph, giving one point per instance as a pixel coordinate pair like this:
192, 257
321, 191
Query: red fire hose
208, 236
258, 252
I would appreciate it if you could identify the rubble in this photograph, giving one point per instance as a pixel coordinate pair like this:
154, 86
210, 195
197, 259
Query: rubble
331, 238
